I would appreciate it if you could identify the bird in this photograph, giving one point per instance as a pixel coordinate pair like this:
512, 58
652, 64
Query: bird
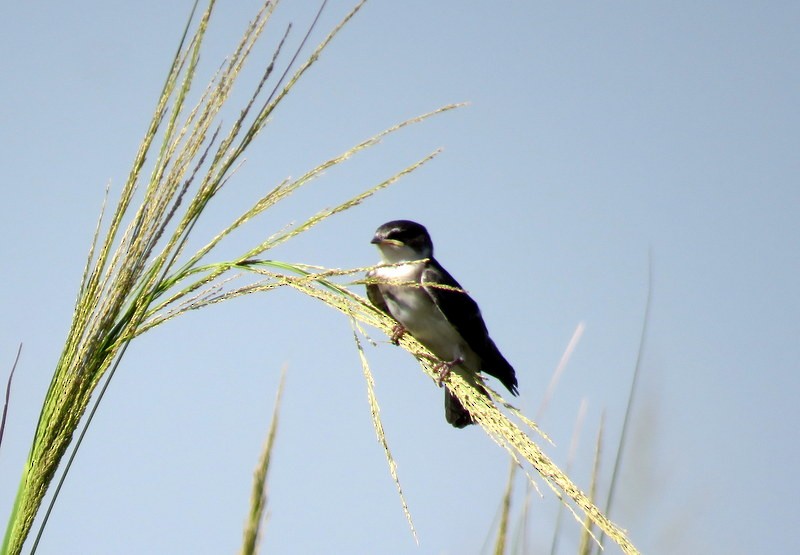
446, 320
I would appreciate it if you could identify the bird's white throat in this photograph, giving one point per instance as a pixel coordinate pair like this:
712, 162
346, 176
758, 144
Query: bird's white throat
392, 254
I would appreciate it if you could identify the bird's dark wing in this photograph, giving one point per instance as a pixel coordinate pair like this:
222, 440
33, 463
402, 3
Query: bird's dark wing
375, 296
463, 313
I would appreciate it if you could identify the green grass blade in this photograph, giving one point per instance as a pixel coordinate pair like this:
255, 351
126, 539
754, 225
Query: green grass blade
258, 497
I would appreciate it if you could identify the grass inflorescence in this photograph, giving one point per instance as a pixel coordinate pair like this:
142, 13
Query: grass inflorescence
138, 274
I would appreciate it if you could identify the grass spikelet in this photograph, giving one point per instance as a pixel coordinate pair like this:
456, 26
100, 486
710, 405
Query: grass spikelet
376, 422
258, 498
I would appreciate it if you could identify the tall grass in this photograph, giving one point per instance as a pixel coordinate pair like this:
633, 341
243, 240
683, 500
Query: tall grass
589, 542
258, 498
138, 274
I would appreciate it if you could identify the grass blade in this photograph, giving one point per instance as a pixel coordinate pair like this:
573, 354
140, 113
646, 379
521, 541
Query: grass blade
258, 497
502, 529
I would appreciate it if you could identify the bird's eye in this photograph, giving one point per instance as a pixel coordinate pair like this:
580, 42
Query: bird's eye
398, 235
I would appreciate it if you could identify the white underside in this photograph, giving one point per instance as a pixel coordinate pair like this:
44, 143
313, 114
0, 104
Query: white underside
414, 309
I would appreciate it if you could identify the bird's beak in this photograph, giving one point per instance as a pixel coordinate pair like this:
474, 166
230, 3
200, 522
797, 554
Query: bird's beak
382, 241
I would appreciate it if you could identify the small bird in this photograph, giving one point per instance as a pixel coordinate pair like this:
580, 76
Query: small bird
447, 321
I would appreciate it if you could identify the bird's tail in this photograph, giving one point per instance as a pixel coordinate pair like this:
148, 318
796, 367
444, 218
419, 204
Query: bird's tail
454, 411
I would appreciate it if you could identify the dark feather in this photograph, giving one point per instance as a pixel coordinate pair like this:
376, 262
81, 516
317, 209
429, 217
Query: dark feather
463, 313
454, 411
375, 296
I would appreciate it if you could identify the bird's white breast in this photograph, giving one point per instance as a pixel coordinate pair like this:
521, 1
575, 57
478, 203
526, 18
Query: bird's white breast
415, 310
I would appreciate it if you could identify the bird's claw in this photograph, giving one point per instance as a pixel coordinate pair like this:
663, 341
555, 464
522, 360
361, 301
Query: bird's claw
444, 368
397, 332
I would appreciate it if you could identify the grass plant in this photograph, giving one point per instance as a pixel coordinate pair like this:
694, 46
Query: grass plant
139, 274
589, 541
258, 498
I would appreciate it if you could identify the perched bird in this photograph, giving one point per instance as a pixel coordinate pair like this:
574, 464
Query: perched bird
446, 321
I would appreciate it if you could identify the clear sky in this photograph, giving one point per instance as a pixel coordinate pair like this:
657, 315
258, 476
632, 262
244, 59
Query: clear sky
596, 132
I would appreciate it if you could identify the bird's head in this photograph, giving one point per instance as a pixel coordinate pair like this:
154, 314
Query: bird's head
403, 240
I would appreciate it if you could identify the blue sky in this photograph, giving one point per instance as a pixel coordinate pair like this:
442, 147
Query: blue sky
595, 133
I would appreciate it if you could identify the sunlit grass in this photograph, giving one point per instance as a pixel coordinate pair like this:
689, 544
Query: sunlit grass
258, 497
138, 274
589, 541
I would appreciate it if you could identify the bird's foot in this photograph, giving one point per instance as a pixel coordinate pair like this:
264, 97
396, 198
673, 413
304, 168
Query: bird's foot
397, 332
444, 368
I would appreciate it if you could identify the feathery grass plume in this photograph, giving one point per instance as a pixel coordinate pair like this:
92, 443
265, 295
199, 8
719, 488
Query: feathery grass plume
135, 278
513, 439
378, 425
465, 386
483, 409
258, 499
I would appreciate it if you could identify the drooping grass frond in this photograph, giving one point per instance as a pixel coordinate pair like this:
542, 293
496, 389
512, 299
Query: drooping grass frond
378, 425
484, 409
258, 498
516, 441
